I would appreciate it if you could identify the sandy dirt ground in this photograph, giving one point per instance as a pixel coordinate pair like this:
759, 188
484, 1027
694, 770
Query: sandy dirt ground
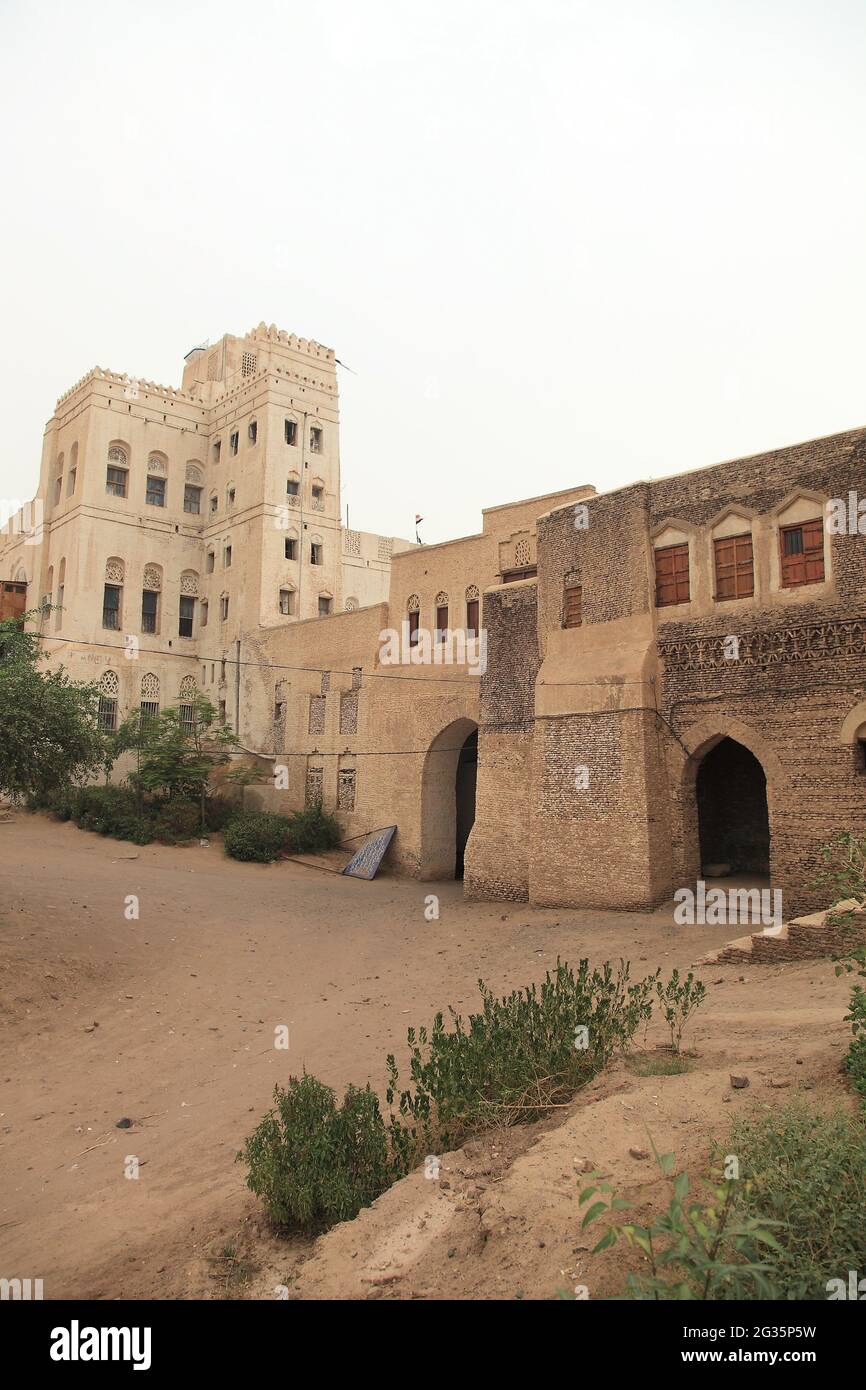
168, 1021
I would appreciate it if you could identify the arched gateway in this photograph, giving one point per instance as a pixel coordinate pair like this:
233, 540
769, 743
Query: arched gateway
448, 799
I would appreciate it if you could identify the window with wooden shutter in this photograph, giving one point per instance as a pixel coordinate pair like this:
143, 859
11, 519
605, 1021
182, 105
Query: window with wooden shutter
735, 569
111, 606
672, 575
413, 628
802, 553
149, 606
572, 607
186, 615
472, 605
511, 576
441, 623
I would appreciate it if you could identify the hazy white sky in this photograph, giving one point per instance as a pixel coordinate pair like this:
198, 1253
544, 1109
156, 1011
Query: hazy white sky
559, 242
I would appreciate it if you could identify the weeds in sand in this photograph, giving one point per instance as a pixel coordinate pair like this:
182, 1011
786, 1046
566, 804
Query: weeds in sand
232, 1269
651, 1064
844, 873
805, 1169
679, 999
709, 1249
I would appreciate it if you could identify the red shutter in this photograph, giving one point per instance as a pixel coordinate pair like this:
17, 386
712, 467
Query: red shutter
572, 608
735, 572
672, 575
802, 553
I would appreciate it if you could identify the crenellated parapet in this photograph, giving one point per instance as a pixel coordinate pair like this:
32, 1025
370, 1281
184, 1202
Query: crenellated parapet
134, 387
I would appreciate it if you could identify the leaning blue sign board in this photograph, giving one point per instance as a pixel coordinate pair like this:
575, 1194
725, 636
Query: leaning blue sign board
370, 855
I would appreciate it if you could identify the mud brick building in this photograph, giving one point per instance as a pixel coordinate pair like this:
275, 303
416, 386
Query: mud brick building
713, 687
594, 700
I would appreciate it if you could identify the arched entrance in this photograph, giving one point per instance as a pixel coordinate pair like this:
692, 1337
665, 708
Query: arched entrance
448, 799
733, 815
464, 792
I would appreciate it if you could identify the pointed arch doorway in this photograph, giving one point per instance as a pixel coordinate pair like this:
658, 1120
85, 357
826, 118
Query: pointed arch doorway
448, 799
732, 810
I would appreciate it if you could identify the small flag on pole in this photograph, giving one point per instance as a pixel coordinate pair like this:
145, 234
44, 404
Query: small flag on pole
418, 520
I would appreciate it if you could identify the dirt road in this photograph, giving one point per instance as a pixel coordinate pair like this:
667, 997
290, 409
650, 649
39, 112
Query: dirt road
168, 1019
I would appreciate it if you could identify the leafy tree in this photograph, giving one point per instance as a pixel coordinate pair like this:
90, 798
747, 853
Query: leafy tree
49, 729
176, 750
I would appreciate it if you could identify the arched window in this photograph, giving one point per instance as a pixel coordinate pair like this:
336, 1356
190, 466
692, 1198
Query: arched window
58, 479
188, 596
112, 594
157, 473
109, 690
186, 702
441, 616
117, 471
73, 470
61, 589
151, 587
192, 488
317, 551
149, 697
473, 607
413, 610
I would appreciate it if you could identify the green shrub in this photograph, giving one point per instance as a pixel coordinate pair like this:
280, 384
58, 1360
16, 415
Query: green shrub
313, 1163
257, 836
176, 821
805, 1169
111, 810
855, 1061
218, 812
679, 999
312, 829
521, 1054
60, 802
843, 867
695, 1249
63, 806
